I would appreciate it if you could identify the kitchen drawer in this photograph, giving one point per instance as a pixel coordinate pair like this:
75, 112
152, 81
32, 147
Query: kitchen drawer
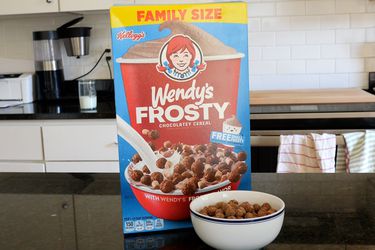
11, 7
82, 5
83, 142
21, 167
20, 143
83, 167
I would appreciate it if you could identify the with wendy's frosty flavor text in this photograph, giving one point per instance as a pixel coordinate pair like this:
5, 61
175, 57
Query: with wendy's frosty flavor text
182, 105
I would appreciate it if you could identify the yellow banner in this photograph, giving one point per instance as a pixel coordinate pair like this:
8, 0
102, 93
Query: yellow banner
155, 14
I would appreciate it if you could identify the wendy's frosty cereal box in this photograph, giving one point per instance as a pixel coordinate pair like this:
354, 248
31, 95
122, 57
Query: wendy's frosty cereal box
182, 104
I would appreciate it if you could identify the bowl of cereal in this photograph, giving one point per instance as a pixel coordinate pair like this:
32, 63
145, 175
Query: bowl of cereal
183, 173
237, 219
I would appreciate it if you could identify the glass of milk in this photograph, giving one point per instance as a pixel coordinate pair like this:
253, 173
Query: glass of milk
87, 94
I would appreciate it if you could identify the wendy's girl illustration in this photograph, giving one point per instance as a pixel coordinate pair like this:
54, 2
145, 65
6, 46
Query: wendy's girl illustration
180, 58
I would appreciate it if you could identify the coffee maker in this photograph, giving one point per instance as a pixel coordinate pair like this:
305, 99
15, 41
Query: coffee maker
48, 65
48, 59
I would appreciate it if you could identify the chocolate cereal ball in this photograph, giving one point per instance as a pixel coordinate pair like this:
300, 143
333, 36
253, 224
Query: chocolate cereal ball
223, 167
176, 178
160, 163
209, 175
166, 186
198, 168
136, 175
262, 212
211, 148
200, 148
241, 156
219, 215
186, 175
157, 176
187, 161
153, 134
211, 210
212, 159
201, 160
136, 158
249, 215
179, 168
240, 212
167, 144
240, 167
145, 170
194, 180
229, 211
177, 147
247, 206
266, 206
233, 203
234, 176
146, 180
189, 188
256, 207
155, 185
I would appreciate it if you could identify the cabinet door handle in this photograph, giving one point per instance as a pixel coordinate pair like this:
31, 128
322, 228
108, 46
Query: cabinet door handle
65, 205
48, 1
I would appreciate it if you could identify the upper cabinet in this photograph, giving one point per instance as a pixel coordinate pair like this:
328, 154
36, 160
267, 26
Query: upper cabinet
82, 5
10, 7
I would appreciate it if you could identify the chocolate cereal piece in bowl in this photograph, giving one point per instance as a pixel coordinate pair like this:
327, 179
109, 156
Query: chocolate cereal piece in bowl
182, 176
237, 219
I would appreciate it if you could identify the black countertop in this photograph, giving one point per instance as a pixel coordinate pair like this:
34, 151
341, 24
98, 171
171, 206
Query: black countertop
65, 109
300, 230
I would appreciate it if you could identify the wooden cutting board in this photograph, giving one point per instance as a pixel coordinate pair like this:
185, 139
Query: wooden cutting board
310, 96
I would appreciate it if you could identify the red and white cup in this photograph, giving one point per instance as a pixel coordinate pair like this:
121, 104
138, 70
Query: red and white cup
140, 75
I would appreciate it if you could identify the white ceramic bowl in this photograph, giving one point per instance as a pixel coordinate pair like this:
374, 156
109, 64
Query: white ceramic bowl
251, 233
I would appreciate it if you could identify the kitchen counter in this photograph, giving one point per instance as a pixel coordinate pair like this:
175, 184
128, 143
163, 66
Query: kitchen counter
97, 206
66, 109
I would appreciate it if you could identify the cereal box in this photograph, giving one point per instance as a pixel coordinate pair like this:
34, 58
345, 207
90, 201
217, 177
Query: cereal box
182, 104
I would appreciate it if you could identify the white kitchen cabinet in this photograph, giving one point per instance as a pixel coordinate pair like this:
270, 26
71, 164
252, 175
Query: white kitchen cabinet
81, 142
20, 143
83, 167
59, 146
21, 167
10, 7
82, 5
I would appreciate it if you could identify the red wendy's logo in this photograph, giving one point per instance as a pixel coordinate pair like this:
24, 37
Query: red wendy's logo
180, 58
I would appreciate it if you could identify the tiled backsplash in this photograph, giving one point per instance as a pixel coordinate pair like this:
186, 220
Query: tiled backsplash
293, 44
311, 43
16, 45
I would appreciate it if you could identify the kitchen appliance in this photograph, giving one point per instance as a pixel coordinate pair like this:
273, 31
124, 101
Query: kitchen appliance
48, 65
288, 112
75, 39
16, 89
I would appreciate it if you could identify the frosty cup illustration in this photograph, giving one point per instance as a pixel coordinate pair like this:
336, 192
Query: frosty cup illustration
183, 86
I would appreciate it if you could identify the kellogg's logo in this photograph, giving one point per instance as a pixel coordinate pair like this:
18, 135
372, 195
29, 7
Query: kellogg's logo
180, 58
130, 35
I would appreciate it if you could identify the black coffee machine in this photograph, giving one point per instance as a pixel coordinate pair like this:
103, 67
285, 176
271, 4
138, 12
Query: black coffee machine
48, 65
48, 60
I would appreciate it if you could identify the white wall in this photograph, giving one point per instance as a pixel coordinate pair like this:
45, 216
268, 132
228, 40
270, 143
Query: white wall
293, 44
311, 43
